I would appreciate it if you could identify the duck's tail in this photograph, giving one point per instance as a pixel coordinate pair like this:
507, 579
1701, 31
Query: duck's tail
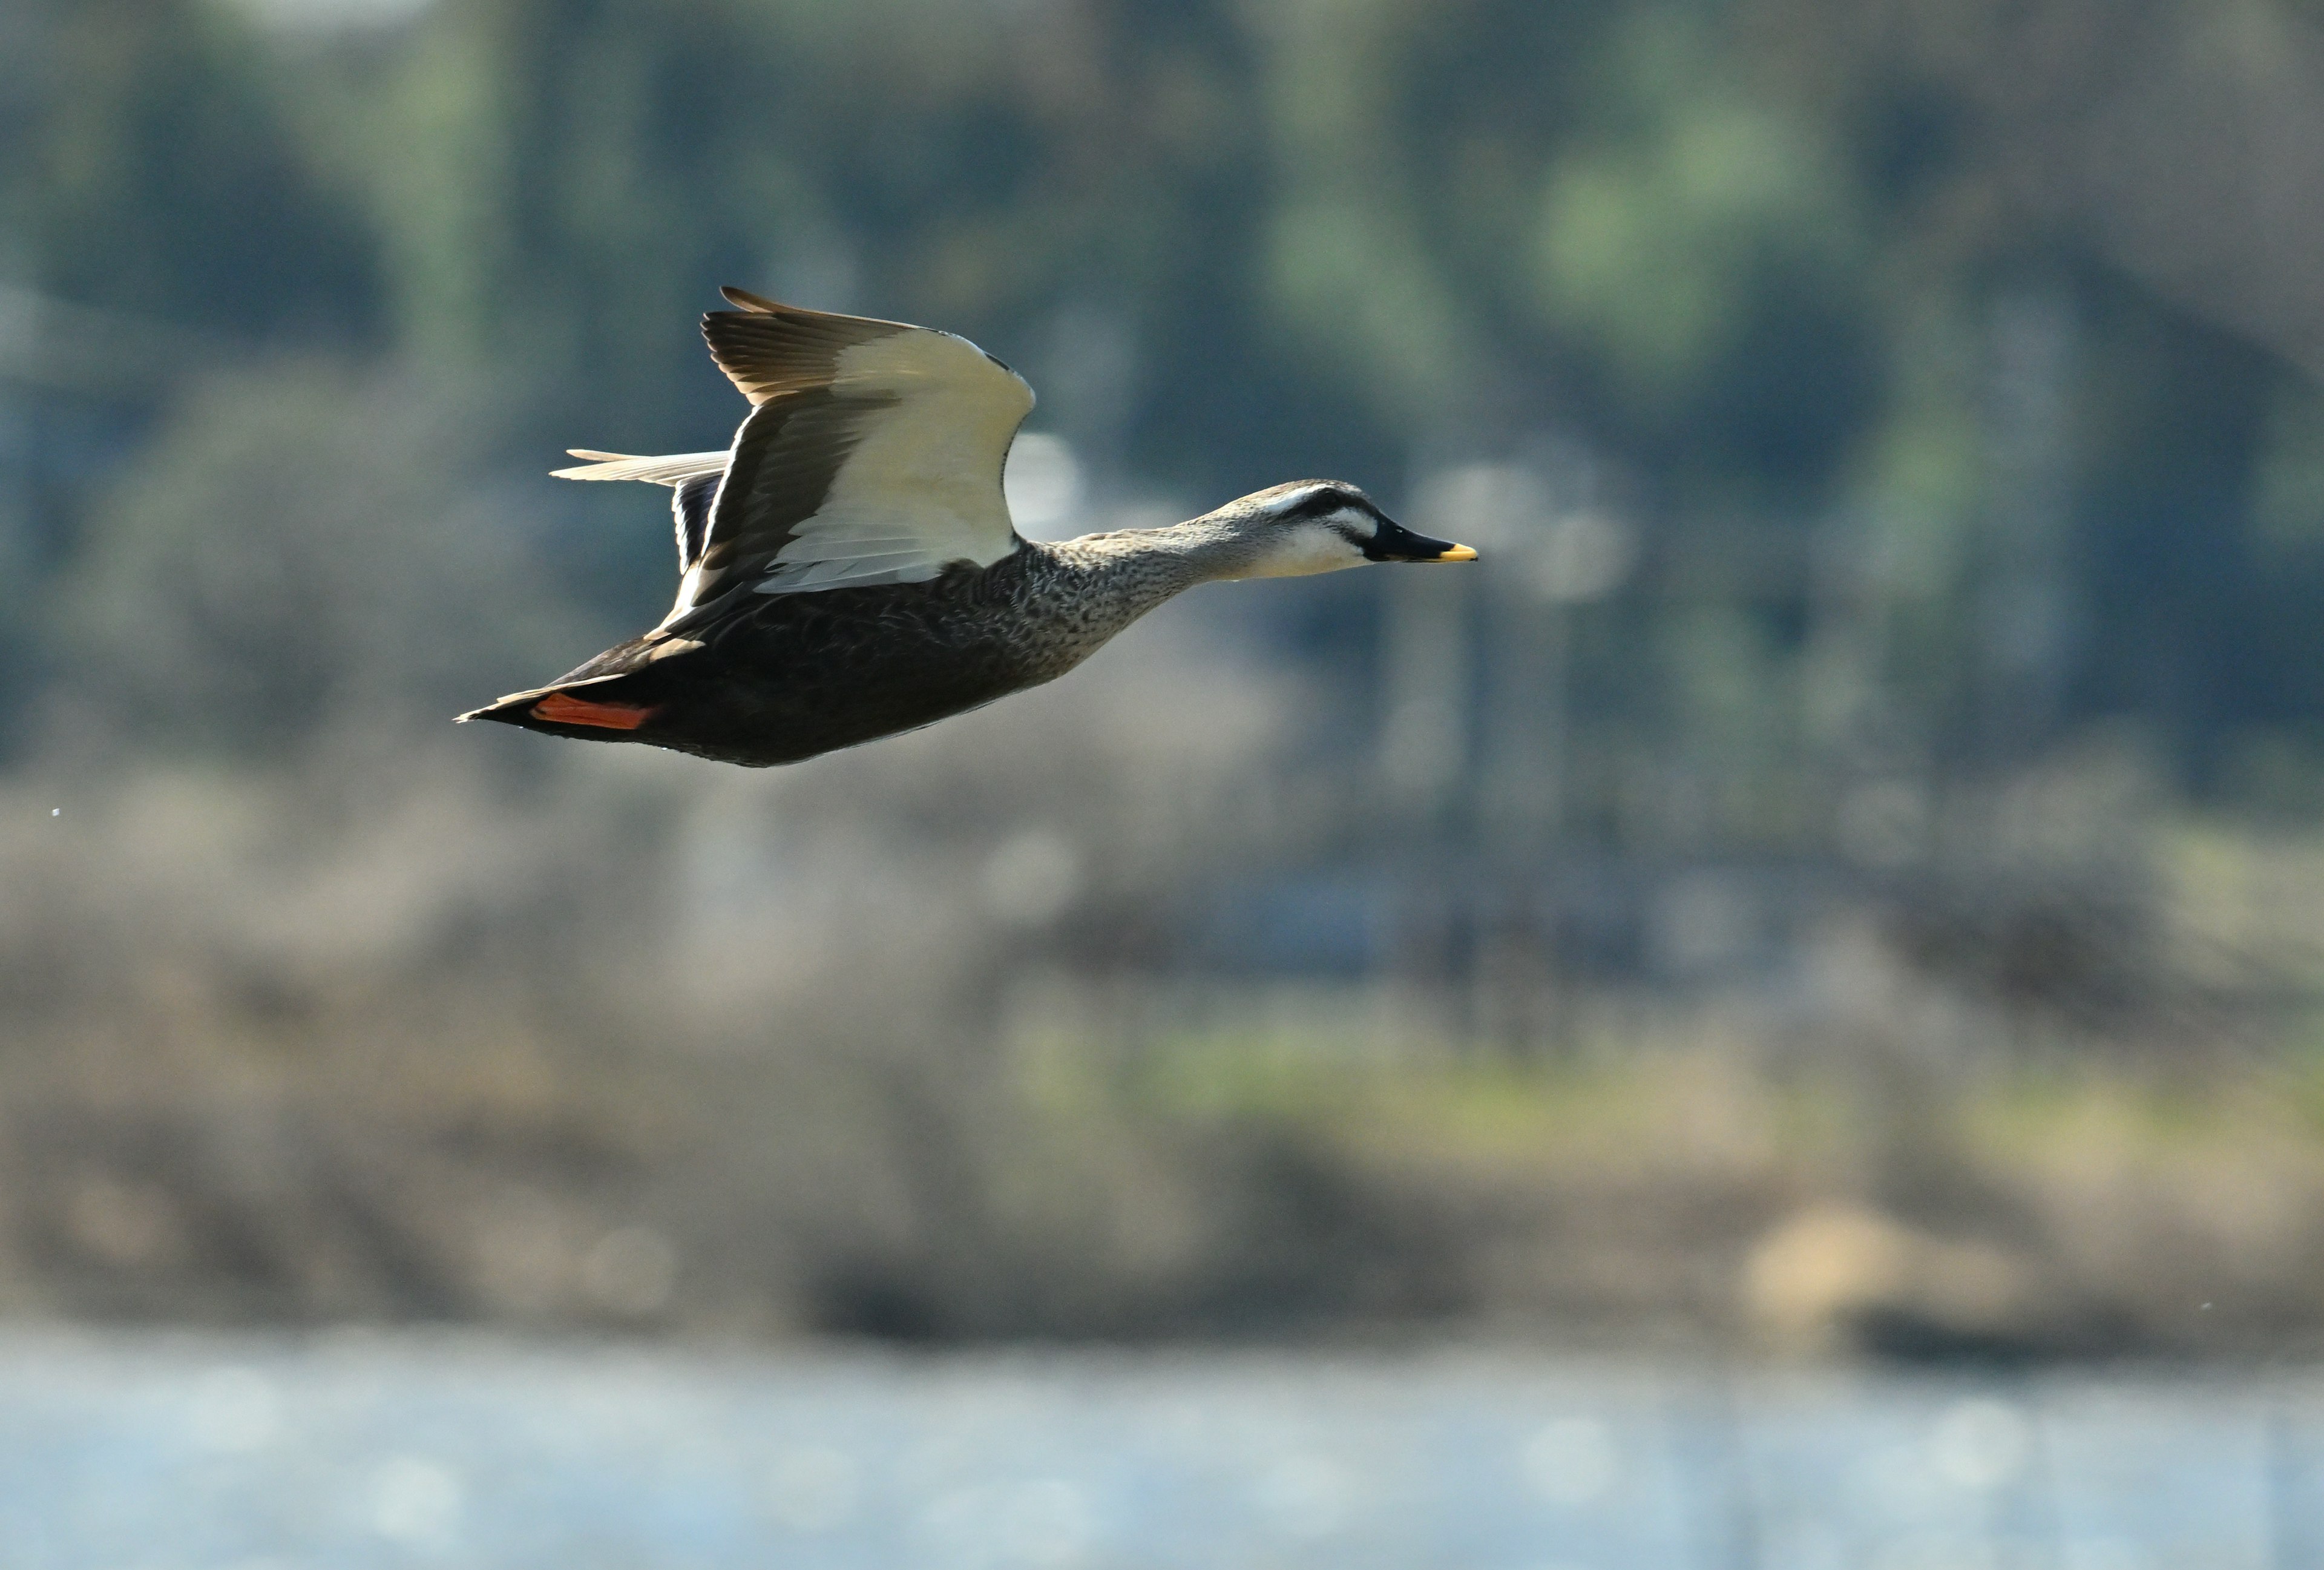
584, 709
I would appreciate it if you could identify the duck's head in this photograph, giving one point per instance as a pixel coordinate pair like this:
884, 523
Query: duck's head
1311, 526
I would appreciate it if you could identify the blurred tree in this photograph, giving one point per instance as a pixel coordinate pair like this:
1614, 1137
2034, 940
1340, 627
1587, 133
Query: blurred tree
300, 557
151, 172
1754, 260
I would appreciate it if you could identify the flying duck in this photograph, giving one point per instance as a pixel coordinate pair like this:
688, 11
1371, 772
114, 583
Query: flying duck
848, 565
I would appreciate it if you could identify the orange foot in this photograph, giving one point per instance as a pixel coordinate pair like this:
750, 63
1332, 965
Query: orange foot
565, 709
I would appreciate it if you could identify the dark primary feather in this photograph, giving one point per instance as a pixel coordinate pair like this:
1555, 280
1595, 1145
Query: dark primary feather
768, 349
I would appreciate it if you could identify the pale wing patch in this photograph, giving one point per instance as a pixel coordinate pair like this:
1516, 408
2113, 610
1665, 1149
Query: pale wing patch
920, 486
675, 469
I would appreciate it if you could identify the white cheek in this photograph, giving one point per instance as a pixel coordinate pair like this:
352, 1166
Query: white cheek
1308, 552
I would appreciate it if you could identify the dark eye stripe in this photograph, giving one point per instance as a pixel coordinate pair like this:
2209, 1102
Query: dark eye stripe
1320, 502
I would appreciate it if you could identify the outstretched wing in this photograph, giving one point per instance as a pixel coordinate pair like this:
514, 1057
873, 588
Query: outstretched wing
873, 454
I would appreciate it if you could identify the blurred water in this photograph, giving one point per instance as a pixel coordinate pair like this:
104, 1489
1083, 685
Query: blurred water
146, 1453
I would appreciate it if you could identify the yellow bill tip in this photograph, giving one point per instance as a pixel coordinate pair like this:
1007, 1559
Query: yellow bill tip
1459, 553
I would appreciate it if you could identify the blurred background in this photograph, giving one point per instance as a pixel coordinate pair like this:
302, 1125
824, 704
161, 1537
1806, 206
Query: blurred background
1841, 882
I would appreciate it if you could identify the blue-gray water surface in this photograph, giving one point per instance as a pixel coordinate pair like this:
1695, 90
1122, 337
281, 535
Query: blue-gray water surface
161, 1452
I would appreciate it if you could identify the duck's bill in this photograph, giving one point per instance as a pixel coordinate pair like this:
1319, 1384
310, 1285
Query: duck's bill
1395, 543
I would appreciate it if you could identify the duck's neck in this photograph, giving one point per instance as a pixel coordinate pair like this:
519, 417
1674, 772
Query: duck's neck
1142, 567
1091, 587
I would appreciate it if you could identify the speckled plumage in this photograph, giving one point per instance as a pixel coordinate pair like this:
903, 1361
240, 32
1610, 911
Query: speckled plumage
759, 679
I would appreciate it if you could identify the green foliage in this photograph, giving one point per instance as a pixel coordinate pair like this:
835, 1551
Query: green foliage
296, 560
2288, 502
1652, 248
1752, 257
155, 174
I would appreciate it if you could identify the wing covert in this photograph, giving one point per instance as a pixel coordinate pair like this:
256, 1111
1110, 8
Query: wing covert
873, 454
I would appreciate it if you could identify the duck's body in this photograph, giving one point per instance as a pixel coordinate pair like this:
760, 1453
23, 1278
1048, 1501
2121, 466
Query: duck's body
779, 678
843, 578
